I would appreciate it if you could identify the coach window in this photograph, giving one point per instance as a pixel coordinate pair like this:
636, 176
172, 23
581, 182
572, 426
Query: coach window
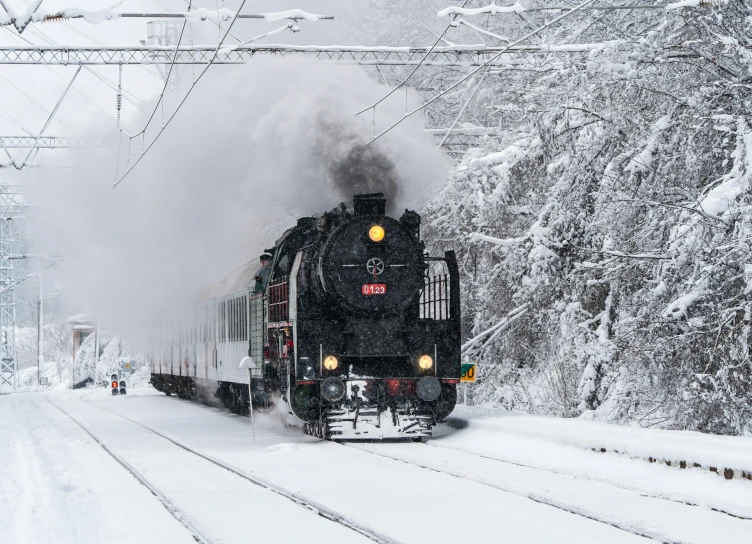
221, 321
234, 320
231, 304
243, 319
229, 320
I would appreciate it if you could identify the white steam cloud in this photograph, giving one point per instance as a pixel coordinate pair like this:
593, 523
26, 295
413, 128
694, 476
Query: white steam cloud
253, 148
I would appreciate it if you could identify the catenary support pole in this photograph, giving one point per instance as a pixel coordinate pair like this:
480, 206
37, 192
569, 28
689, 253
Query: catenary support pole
40, 328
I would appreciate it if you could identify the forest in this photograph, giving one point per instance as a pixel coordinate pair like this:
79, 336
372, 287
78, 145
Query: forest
602, 216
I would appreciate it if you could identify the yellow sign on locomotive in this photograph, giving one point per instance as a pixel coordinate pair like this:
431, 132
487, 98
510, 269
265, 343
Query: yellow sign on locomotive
468, 372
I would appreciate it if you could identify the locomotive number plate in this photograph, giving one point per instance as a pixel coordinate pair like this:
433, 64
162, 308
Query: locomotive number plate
373, 289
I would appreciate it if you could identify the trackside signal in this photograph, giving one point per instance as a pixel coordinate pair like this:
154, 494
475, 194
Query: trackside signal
114, 384
468, 372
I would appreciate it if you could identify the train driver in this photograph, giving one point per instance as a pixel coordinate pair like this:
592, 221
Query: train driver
262, 274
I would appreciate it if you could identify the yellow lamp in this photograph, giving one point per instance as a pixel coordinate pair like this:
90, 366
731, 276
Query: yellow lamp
376, 233
425, 362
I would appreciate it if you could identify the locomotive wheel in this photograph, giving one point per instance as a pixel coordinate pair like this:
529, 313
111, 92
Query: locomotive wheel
318, 429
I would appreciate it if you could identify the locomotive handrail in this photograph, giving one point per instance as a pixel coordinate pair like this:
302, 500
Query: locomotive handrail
278, 300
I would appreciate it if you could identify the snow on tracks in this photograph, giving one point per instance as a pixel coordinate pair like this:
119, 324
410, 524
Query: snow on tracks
209, 498
169, 506
403, 501
57, 485
629, 510
306, 503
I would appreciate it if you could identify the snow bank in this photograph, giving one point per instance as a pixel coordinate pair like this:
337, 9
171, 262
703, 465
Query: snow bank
693, 448
57, 375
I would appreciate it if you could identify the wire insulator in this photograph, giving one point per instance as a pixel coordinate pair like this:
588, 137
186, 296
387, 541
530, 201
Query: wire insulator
119, 99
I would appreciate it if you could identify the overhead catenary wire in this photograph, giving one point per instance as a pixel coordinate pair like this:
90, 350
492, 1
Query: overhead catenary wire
133, 99
396, 5
49, 120
45, 110
481, 67
387, 95
188, 2
166, 123
91, 38
193, 86
166, 83
462, 110
15, 121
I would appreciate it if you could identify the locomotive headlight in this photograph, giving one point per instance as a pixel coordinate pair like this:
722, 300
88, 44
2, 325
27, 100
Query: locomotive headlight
376, 233
333, 389
425, 362
331, 362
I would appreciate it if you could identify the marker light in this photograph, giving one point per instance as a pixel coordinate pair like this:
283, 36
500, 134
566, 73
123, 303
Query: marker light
425, 362
331, 362
376, 233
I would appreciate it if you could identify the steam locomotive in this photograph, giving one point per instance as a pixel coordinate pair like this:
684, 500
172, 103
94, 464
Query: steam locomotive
353, 327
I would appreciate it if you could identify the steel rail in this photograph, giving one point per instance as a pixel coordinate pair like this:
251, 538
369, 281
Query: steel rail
297, 498
173, 510
535, 498
602, 480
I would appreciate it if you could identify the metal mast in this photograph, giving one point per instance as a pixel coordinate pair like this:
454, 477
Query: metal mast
165, 34
11, 205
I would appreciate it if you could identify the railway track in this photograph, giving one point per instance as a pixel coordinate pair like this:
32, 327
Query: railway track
173, 510
647, 531
538, 499
313, 506
602, 480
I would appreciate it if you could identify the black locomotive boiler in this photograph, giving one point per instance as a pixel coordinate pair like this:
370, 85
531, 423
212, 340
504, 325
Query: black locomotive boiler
357, 326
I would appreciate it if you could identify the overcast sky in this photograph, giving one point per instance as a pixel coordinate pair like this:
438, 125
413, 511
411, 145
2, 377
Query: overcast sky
252, 149
29, 92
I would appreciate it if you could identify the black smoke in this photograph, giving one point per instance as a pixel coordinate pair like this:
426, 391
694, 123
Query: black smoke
353, 166
365, 169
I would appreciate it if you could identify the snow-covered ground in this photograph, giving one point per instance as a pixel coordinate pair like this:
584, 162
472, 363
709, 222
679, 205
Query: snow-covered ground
485, 477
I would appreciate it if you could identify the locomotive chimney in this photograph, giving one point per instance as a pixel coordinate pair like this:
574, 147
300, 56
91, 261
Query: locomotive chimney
370, 204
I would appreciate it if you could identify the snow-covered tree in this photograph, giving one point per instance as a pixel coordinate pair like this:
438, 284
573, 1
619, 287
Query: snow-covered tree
604, 231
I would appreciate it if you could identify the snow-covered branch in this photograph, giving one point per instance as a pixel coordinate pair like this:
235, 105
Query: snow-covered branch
508, 242
491, 9
510, 318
